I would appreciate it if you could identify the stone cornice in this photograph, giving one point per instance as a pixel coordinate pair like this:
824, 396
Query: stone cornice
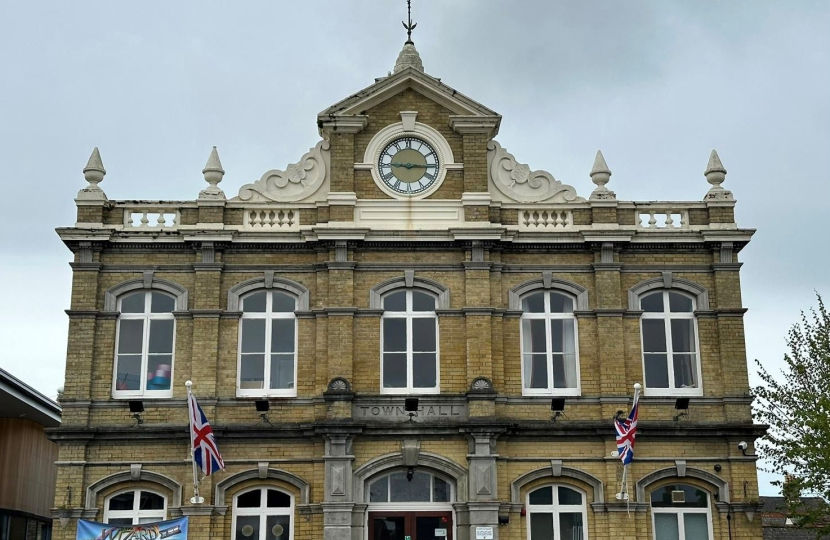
350, 124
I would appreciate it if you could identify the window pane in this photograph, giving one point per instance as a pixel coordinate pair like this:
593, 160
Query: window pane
282, 335
562, 335
422, 302
569, 496
159, 372
652, 303
122, 501
252, 372
161, 336
161, 303
395, 301
536, 371
682, 335
379, 490
255, 303
541, 526
253, 335
424, 373
283, 303
278, 499
695, 526
680, 303
657, 371
654, 335
394, 334
665, 527
542, 496
423, 335
533, 336
247, 528
694, 497
251, 499
564, 371
685, 372
282, 371
394, 370
570, 526
277, 528
128, 372
559, 303
403, 490
535, 303
130, 336
120, 521
133, 303
150, 501
440, 490
150, 519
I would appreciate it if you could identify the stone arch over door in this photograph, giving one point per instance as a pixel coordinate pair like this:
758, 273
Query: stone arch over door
426, 460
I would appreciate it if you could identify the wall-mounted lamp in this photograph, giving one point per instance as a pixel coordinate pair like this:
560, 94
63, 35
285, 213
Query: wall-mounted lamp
557, 407
682, 405
504, 520
262, 407
136, 408
410, 405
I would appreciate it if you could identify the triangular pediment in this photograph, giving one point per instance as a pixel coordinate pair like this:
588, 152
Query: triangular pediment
394, 84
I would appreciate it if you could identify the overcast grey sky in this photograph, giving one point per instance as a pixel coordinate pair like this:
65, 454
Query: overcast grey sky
654, 84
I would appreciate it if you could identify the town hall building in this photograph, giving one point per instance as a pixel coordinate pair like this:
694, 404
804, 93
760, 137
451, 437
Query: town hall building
409, 334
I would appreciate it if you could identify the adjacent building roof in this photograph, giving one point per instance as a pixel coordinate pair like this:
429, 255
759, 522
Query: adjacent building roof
19, 400
774, 514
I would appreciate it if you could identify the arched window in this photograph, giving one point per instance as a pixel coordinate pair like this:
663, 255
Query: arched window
422, 487
680, 512
134, 507
409, 343
550, 358
144, 345
556, 512
669, 336
268, 345
262, 513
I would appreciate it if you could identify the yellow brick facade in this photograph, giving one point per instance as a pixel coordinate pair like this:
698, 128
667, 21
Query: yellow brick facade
481, 432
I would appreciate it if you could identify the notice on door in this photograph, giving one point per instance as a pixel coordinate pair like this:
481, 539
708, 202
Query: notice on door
440, 533
484, 533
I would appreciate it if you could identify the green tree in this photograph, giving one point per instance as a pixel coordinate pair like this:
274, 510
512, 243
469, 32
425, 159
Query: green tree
796, 406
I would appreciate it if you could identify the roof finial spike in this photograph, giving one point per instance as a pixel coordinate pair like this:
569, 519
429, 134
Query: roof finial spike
716, 174
213, 172
94, 173
410, 26
600, 175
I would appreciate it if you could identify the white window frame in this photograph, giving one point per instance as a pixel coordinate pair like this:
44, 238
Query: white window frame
556, 508
268, 315
407, 506
263, 511
547, 316
146, 316
680, 511
409, 314
135, 514
667, 317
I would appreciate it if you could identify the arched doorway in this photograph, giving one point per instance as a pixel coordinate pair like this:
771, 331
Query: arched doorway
410, 505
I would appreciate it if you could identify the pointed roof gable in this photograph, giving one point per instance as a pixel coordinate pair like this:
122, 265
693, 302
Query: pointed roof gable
386, 87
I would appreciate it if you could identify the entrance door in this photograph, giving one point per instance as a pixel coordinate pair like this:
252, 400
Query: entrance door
410, 525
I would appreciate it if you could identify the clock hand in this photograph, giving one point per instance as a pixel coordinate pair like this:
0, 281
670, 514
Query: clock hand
411, 165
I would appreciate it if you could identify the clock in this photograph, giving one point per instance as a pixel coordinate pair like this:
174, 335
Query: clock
408, 165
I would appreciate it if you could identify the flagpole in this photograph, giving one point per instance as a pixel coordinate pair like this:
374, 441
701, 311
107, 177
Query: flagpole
196, 499
623, 494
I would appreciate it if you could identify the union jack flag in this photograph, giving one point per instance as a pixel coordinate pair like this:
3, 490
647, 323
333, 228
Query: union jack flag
627, 431
205, 452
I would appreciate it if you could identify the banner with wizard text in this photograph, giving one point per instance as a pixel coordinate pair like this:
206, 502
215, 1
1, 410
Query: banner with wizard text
174, 529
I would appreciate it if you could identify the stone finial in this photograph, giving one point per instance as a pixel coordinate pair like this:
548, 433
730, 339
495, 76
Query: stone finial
600, 175
94, 173
715, 174
409, 57
213, 172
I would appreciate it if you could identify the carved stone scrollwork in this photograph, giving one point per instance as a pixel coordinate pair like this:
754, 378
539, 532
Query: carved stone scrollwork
516, 180
296, 182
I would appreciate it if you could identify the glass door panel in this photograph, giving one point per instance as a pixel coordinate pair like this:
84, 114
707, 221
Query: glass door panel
387, 528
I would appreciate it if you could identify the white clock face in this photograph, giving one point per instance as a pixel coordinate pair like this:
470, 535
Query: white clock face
408, 165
